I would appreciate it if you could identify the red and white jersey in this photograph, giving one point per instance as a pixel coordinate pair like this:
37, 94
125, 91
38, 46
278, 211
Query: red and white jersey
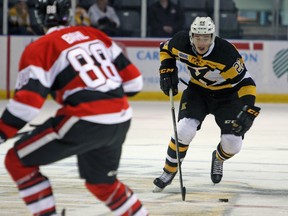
84, 71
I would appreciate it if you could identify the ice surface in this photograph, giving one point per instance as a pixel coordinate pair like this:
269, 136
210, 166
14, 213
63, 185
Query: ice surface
255, 181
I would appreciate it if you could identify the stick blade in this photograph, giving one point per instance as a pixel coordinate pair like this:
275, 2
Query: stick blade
183, 192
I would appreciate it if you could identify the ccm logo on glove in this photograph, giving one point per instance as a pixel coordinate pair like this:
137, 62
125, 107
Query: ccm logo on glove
253, 112
167, 70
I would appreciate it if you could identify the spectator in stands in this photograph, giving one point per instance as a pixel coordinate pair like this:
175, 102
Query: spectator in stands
34, 22
104, 17
81, 16
86, 3
165, 19
19, 19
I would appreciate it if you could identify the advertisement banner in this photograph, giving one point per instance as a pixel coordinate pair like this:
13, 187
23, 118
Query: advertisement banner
266, 61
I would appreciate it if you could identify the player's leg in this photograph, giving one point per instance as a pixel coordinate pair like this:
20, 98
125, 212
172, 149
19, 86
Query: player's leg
39, 147
226, 149
99, 169
34, 188
229, 144
186, 129
192, 112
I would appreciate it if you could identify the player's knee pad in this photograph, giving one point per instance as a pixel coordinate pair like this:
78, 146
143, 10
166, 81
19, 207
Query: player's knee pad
16, 169
231, 144
103, 191
186, 129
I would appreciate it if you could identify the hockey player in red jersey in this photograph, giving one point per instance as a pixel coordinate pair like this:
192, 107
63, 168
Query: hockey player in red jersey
88, 75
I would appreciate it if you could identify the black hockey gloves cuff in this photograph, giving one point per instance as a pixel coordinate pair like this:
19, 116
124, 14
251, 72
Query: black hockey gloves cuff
3, 138
169, 79
244, 120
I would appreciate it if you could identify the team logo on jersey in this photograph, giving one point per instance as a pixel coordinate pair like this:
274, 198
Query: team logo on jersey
183, 55
23, 78
206, 76
280, 63
183, 106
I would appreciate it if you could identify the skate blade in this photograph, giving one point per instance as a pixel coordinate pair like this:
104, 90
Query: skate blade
157, 189
63, 213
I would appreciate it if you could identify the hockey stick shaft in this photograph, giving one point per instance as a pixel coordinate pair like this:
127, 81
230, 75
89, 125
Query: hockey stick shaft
21, 134
25, 132
183, 81
183, 189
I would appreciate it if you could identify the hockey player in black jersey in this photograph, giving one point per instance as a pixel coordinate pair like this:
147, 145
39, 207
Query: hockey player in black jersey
220, 85
90, 78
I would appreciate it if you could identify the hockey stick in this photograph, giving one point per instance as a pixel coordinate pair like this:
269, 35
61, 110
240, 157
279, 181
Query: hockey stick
183, 81
19, 134
25, 132
183, 189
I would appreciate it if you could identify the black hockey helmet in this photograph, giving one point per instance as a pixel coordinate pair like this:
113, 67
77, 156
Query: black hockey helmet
51, 13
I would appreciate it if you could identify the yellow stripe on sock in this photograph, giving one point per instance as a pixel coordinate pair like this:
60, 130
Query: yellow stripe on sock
170, 168
173, 147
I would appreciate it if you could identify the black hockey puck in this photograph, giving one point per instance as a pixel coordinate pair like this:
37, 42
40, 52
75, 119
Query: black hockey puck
223, 200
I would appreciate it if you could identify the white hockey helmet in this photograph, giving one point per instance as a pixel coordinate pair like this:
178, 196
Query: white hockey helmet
202, 25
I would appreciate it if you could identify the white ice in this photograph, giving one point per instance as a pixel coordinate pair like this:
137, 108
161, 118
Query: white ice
255, 181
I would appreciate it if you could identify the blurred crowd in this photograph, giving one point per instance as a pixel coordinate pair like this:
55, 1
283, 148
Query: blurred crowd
122, 18
164, 17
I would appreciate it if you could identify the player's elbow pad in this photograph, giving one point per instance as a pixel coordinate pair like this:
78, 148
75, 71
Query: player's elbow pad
135, 85
131, 94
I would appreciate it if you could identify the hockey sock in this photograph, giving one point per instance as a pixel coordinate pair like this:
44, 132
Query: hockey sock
171, 158
34, 188
221, 154
119, 198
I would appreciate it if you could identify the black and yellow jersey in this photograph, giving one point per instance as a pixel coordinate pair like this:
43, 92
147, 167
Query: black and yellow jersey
221, 68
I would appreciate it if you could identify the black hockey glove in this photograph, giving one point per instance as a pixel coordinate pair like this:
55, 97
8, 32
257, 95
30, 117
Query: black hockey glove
245, 120
2, 138
169, 79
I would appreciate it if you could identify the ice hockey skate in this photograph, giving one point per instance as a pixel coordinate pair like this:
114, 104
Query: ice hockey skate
161, 182
216, 169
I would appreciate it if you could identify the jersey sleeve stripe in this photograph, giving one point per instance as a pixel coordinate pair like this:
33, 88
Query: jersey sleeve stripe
134, 85
24, 97
115, 50
8, 130
22, 111
34, 73
121, 62
34, 86
12, 120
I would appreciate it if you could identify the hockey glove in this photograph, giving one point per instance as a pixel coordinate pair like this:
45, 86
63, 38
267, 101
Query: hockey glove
245, 120
169, 79
2, 138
